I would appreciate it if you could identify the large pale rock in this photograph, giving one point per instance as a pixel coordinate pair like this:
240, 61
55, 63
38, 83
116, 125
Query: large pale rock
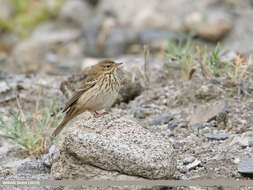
112, 147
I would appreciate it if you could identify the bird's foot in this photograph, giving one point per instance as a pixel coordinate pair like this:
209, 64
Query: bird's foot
97, 115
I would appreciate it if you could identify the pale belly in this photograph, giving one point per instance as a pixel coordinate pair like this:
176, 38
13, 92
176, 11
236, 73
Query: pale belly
97, 101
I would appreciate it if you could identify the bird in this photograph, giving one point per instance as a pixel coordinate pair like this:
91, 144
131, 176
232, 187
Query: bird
98, 90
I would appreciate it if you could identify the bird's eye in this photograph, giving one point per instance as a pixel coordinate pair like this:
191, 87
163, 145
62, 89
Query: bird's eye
108, 66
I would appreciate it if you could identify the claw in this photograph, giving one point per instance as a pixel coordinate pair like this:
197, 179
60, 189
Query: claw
97, 115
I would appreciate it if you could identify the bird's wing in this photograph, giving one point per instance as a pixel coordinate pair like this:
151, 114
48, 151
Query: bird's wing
78, 94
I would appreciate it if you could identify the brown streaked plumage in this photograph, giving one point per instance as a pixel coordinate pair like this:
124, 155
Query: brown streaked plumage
100, 90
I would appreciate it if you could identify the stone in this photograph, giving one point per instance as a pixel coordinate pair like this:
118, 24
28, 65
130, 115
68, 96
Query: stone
140, 113
106, 38
173, 124
120, 40
47, 159
197, 127
182, 169
4, 87
217, 136
243, 141
77, 11
162, 120
228, 56
188, 160
158, 39
110, 147
208, 92
250, 142
193, 165
154, 14
245, 166
211, 24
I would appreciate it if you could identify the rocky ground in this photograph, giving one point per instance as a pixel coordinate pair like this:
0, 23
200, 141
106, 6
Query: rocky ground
162, 126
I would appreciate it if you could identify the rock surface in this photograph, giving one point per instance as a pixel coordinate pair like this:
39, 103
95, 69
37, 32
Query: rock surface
217, 136
245, 166
113, 147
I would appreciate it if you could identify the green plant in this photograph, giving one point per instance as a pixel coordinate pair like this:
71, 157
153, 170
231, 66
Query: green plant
182, 55
214, 60
188, 59
28, 14
210, 63
238, 70
33, 135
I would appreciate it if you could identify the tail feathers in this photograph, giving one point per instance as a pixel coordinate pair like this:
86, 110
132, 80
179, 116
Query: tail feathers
60, 127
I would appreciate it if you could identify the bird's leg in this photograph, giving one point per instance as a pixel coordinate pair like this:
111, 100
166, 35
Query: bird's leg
96, 114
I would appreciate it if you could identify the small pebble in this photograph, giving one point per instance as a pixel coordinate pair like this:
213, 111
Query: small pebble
198, 126
182, 169
140, 114
4, 87
216, 136
243, 141
47, 159
52, 150
193, 165
250, 142
245, 166
173, 124
162, 120
188, 160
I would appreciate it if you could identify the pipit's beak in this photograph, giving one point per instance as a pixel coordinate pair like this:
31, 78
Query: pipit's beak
118, 64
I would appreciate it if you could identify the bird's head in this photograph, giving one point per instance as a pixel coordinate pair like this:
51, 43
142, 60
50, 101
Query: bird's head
106, 66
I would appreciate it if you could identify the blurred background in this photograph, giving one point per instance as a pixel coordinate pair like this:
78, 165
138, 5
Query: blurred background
56, 36
196, 86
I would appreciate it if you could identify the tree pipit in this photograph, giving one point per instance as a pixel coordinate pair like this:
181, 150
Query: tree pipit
100, 90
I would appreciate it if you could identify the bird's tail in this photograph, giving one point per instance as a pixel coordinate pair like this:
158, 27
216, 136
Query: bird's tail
60, 127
